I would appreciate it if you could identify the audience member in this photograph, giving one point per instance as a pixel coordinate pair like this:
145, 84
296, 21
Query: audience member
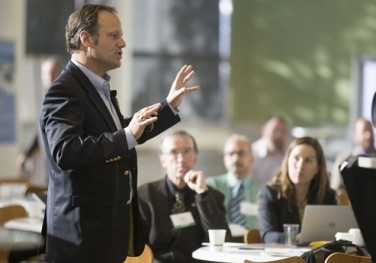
178, 210
363, 139
32, 161
240, 190
269, 150
303, 180
93, 208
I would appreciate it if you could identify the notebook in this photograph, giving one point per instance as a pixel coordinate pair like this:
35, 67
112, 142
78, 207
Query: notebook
322, 222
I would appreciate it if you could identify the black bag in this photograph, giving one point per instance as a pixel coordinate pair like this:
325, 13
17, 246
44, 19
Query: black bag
318, 255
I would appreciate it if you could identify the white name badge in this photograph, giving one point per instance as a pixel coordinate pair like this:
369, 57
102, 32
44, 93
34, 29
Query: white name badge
182, 220
248, 208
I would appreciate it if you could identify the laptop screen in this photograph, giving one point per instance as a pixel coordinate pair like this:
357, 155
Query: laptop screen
322, 222
360, 184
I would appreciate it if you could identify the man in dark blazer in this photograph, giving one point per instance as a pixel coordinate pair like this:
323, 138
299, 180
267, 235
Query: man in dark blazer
173, 235
92, 207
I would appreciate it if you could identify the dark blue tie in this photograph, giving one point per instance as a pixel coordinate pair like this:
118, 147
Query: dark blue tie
237, 198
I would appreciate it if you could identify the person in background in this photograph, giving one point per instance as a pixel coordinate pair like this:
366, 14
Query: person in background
363, 140
240, 190
178, 210
92, 208
32, 161
269, 150
303, 180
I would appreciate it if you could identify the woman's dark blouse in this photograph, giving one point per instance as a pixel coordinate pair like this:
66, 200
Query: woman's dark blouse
273, 213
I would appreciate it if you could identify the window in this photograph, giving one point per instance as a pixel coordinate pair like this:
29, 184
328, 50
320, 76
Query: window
168, 34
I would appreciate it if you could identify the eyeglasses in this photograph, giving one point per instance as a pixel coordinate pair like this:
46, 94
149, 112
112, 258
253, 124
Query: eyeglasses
238, 153
184, 153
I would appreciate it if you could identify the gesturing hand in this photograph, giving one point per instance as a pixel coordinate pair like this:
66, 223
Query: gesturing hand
143, 118
178, 88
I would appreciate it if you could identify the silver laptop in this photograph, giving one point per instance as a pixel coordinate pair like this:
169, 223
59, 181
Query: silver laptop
322, 222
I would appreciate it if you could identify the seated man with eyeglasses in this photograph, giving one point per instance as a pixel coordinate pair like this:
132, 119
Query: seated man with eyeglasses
240, 190
178, 210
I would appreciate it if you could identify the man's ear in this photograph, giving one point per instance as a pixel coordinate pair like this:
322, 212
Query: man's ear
85, 38
162, 161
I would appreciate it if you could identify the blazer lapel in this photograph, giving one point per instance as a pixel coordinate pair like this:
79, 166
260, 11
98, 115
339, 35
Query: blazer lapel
115, 103
92, 94
163, 189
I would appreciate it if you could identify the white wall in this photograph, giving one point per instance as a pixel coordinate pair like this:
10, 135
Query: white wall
12, 21
121, 77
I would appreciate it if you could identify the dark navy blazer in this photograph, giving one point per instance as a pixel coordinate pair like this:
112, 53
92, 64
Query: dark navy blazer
92, 173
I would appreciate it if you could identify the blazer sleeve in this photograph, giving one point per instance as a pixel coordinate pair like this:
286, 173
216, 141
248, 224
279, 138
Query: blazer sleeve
166, 119
269, 216
212, 212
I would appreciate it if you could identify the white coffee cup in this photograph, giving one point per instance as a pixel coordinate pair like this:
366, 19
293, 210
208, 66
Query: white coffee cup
344, 236
217, 237
357, 237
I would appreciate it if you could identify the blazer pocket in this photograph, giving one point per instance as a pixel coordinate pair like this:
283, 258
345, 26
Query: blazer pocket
92, 201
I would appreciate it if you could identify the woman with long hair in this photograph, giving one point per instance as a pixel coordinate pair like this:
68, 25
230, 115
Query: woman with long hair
303, 180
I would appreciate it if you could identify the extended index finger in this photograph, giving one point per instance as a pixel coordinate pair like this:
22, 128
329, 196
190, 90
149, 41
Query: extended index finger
191, 89
152, 108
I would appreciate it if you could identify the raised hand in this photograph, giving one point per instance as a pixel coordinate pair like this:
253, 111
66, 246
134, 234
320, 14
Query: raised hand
178, 88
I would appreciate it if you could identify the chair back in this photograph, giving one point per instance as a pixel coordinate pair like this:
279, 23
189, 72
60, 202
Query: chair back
252, 236
12, 187
294, 259
36, 189
21, 180
342, 197
339, 257
145, 257
11, 212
